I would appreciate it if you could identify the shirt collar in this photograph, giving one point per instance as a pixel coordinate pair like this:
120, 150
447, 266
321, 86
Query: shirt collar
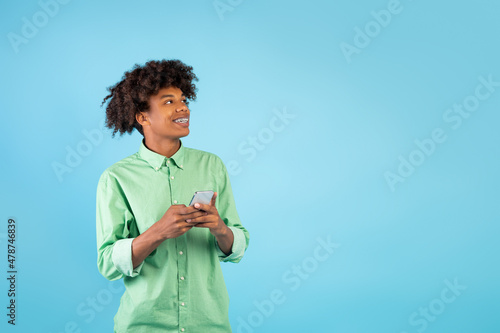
157, 161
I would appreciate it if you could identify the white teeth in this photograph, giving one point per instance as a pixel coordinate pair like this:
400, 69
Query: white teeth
181, 120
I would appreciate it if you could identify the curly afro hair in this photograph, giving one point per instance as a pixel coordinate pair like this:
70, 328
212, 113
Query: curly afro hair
131, 95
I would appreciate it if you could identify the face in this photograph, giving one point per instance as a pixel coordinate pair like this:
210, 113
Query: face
168, 115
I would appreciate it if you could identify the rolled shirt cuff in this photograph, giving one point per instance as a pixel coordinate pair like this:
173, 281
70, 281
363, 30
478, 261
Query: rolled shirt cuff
238, 248
122, 257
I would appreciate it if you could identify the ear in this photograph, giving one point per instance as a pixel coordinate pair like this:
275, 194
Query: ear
142, 118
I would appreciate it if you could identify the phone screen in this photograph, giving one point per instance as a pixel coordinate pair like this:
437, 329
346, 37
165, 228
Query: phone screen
203, 197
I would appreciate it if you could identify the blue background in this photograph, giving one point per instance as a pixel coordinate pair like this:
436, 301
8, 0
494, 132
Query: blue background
322, 175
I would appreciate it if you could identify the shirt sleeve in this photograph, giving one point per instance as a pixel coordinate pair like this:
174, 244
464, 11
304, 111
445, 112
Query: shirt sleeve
227, 210
114, 222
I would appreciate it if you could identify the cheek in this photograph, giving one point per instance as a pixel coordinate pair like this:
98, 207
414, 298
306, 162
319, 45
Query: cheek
160, 120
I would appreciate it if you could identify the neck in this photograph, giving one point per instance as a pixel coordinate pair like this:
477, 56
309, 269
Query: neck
167, 147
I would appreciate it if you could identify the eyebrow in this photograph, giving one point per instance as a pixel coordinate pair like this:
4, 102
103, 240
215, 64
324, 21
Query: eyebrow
165, 96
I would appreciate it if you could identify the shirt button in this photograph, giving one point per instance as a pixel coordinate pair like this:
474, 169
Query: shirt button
156, 168
182, 277
168, 161
175, 201
181, 253
182, 329
172, 177
182, 303
181, 165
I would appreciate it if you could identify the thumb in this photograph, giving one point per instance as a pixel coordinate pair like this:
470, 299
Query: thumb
212, 202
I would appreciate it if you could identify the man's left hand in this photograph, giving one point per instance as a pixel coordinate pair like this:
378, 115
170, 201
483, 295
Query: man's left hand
211, 219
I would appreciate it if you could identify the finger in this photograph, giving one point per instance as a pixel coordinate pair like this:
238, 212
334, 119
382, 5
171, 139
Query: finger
183, 227
203, 225
202, 219
187, 210
204, 207
194, 214
178, 206
212, 202
191, 216
186, 229
190, 223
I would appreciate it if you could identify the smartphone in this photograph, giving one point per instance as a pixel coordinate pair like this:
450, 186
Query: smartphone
203, 197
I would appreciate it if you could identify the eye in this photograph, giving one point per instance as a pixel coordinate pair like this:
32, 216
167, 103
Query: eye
185, 101
168, 101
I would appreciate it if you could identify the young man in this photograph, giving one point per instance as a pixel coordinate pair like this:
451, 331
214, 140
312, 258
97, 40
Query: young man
167, 252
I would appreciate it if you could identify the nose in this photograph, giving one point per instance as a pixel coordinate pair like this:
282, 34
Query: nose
182, 108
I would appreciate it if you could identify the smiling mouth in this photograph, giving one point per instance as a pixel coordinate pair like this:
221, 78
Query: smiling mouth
181, 120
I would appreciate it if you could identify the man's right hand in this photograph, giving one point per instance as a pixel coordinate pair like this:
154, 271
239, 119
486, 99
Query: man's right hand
173, 223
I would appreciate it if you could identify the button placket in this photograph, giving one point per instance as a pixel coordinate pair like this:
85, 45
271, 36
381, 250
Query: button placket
183, 280
181, 247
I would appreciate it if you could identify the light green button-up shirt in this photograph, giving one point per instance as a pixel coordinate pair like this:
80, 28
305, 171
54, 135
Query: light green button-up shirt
179, 287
